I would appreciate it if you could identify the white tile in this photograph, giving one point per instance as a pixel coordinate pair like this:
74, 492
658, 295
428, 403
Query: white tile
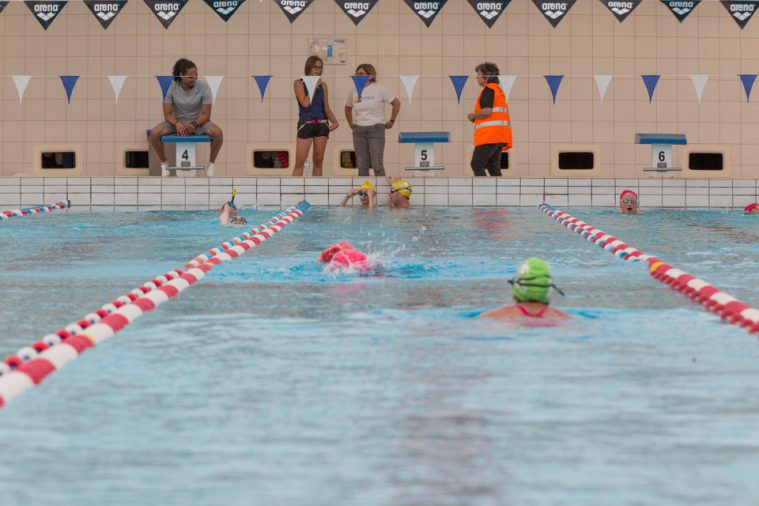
78, 181
262, 181
172, 207
33, 189
580, 181
484, 190
744, 183
436, 199
720, 200
604, 190
739, 191
532, 191
679, 183
14, 181
696, 191
172, 199
32, 199
720, 183
7, 199
80, 190
484, 181
720, 191
532, 182
104, 189
244, 181
556, 190
342, 181
99, 180
557, 181
10, 189
173, 182
557, 200
339, 190
651, 200
579, 200
79, 199
460, 190
507, 199
102, 199
144, 189
506, 181
673, 200
34, 181
150, 208
508, 190
196, 182
196, 199
436, 190
673, 190
313, 190
290, 200
626, 183
697, 183
481, 199
125, 209
296, 188
460, 181
126, 199
102, 209
149, 199
603, 200
54, 181
604, 182
194, 207
530, 200
80, 209
318, 199
196, 190
739, 201
175, 190
697, 200
145, 181
649, 183
335, 199
269, 199
460, 199
579, 190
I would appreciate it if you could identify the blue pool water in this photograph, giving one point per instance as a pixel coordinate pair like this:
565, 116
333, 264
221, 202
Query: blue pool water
272, 382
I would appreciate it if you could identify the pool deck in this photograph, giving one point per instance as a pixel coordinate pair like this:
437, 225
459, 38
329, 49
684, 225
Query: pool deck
196, 193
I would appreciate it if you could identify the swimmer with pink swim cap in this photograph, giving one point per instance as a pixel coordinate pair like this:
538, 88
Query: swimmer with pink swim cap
343, 256
752, 208
628, 202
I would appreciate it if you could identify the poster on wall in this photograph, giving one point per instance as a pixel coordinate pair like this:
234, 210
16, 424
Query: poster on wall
681, 8
166, 11
45, 11
426, 10
356, 11
740, 10
3, 3
489, 10
621, 8
293, 8
105, 11
554, 12
224, 8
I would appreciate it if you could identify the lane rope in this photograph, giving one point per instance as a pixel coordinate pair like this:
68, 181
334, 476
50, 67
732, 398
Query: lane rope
31, 364
723, 304
14, 213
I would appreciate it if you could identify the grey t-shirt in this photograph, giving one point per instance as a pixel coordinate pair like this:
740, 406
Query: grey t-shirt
187, 104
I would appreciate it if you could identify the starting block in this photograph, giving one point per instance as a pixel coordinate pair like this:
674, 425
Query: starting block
185, 149
424, 148
662, 150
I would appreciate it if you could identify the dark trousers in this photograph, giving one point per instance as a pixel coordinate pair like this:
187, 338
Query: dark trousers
487, 156
369, 144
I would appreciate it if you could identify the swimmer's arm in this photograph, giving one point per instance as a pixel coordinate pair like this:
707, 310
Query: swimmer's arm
224, 218
372, 199
347, 197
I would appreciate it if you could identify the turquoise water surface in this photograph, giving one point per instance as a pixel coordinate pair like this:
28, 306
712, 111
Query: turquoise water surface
274, 382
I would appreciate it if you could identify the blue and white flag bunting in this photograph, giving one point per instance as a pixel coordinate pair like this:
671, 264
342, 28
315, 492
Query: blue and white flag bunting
553, 83
359, 82
506, 82
262, 82
409, 82
699, 83
650, 80
21, 82
748, 83
117, 82
165, 82
458, 85
310, 82
68, 84
602, 83
214, 82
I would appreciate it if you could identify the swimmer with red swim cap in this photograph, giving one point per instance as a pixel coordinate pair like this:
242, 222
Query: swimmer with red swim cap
628, 202
343, 256
752, 208
531, 289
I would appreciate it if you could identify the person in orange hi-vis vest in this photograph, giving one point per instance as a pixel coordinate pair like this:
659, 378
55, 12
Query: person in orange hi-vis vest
492, 124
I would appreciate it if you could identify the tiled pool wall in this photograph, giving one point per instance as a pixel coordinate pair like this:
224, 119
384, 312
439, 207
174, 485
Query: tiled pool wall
194, 193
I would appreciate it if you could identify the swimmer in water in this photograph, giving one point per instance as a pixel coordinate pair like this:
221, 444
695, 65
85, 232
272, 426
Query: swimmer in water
366, 194
400, 194
531, 288
229, 215
343, 256
752, 208
628, 202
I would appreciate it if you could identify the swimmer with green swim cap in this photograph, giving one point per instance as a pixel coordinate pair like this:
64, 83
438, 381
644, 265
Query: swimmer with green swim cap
531, 288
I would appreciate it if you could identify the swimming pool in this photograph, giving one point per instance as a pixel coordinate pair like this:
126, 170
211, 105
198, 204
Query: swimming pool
273, 382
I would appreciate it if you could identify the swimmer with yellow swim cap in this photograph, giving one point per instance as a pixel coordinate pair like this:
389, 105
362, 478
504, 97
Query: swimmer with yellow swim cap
400, 194
366, 194
531, 288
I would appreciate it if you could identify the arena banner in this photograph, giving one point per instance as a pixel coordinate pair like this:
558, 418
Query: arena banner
554, 11
224, 8
45, 11
740, 10
427, 10
3, 4
105, 11
681, 8
621, 8
489, 10
293, 8
356, 10
166, 11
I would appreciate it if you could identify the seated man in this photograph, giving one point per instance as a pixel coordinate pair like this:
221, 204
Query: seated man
187, 111
366, 193
531, 289
400, 193
628, 202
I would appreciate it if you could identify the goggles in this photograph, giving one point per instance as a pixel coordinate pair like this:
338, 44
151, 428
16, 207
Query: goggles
629, 201
527, 282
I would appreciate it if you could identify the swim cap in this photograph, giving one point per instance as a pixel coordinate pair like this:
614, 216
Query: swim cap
366, 186
625, 192
328, 253
750, 207
403, 187
350, 258
532, 282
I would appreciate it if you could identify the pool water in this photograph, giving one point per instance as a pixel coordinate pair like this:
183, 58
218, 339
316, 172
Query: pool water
274, 382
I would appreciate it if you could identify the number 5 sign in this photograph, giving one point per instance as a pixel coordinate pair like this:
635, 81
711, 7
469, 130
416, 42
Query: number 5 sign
424, 154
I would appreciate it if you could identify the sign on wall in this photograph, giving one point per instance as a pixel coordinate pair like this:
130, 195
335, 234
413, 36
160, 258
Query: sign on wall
224, 8
621, 8
356, 10
166, 11
681, 8
426, 10
293, 8
553, 11
489, 10
45, 11
105, 11
741, 10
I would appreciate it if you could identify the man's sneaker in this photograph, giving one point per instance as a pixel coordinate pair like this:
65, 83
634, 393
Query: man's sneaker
164, 169
209, 170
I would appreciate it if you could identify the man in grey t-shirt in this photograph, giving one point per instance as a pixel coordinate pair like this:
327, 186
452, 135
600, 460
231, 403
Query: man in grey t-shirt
187, 111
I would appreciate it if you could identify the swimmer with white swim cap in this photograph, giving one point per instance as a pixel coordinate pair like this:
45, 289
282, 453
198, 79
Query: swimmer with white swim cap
531, 288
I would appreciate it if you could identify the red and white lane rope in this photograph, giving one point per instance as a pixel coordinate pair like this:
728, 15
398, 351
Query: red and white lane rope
12, 213
725, 305
31, 364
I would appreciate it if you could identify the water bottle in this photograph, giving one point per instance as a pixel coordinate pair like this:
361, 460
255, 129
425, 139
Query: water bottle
307, 169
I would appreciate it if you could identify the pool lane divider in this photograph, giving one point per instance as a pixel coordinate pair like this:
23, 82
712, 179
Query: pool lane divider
725, 305
31, 364
13, 213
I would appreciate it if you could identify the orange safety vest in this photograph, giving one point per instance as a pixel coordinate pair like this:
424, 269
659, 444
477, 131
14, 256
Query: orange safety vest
496, 128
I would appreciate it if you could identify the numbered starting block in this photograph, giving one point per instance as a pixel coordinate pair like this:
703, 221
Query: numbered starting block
185, 151
662, 150
424, 148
